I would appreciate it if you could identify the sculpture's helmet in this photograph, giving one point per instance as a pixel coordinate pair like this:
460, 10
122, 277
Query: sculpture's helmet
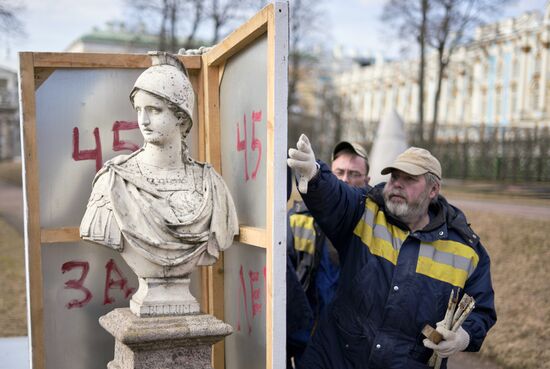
167, 78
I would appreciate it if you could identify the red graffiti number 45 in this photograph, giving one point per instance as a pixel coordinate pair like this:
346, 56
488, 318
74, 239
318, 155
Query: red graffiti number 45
255, 145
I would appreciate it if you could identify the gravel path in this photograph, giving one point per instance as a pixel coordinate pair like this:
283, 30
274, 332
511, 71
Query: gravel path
527, 211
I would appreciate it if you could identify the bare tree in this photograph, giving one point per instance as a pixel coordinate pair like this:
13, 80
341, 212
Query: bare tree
304, 18
10, 24
223, 12
198, 11
409, 19
168, 16
442, 25
177, 20
304, 26
449, 24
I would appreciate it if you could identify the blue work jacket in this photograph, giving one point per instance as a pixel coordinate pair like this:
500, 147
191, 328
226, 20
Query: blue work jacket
393, 282
317, 269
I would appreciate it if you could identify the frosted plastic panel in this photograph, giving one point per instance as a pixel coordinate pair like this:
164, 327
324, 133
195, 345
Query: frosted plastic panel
83, 118
245, 291
83, 281
243, 116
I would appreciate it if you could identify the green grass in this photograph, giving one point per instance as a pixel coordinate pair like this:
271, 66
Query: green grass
12, 276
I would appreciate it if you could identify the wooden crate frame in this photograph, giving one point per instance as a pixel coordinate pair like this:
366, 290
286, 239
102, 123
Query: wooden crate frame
205, 74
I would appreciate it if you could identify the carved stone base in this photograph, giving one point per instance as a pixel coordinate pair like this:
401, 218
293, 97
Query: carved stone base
163, 296
168, 342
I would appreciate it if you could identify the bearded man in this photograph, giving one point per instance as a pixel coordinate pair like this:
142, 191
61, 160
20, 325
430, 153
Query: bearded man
403, 248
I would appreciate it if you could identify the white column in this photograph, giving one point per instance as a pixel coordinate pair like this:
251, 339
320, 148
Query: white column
459, 113
475, 101
523, 80
545, 40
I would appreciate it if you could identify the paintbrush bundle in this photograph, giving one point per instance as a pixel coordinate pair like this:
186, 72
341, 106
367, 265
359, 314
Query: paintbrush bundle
456, 314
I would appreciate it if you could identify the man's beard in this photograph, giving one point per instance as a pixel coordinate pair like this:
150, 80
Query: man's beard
407, 211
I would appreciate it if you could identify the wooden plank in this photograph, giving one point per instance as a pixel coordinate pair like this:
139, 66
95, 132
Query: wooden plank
40, 75
204, 289
240, 38
252, 236
216, 308
212, 117
32, 211
249, 235
270, 153
277, 85
221, 71
60, 235
101, 60
212, 154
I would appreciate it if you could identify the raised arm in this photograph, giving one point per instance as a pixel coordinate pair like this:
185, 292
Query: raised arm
335, 206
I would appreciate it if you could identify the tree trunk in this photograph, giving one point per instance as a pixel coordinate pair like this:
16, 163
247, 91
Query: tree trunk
294, 77
440, 71
421, 71
216, 19
162, 33
195, 25
173, 25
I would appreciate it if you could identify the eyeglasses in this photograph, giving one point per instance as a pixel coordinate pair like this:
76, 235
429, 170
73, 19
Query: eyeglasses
350, 173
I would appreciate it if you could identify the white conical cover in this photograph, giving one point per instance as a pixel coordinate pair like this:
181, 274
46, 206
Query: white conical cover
390, 141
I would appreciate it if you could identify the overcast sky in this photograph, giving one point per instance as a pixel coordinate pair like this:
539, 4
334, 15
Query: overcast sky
51, 25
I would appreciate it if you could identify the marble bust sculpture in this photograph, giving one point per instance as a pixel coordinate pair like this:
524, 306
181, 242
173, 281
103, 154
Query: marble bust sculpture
163, 211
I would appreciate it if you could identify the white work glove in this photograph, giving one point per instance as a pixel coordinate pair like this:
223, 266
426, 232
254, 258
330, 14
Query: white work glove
452, 343
302, 160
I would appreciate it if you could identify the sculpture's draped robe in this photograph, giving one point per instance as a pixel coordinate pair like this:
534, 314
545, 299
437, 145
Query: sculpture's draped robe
126, 210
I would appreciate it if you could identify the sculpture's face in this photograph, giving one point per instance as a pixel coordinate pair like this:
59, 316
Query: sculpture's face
158, 124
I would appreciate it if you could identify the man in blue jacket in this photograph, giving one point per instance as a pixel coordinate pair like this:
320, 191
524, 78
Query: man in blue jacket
312, 258
402, 250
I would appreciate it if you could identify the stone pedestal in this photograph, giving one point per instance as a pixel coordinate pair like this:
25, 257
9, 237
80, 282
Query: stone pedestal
167, 342
163, 296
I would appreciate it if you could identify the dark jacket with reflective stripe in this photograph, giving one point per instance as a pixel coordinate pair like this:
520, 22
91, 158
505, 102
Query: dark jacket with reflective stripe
393, 282
316, 264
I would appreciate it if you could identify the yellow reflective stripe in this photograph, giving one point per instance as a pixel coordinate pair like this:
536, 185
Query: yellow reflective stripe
441, 272
304, 245
302, 221
457, 248
377, 246
446, 268
304, 232
381, 238
381, 220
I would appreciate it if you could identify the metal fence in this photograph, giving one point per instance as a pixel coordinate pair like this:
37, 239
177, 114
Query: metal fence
510, 154
477, 152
